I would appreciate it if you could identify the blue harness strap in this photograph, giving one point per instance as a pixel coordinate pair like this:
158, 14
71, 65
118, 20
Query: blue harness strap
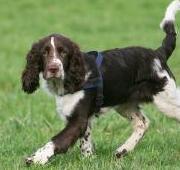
99, 60
97, 82
100, 96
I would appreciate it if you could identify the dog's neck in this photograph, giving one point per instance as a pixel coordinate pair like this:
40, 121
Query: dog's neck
56, 87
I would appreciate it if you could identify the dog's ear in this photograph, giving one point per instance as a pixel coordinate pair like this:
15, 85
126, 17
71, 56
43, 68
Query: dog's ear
76, 71
30, 75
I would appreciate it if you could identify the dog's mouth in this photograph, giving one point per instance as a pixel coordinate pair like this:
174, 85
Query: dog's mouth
53, 76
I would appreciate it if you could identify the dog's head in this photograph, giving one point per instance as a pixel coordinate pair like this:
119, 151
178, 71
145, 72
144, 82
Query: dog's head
57, 57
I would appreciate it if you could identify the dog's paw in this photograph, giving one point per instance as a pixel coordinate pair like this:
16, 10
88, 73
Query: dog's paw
28, 160
121, 152
87, 153
42, 155
36, 160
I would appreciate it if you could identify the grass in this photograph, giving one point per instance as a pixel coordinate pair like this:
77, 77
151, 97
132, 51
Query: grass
27, 122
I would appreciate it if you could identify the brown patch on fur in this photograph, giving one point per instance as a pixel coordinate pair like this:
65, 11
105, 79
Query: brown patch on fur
30, 75
75, 71
69, 135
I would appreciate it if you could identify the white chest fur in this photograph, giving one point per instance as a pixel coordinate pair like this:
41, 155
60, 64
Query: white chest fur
66, 104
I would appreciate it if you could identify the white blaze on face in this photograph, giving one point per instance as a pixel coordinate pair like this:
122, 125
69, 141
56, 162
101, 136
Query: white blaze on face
56, 60
53, 45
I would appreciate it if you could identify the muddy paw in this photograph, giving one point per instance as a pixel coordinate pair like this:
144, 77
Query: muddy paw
37, 159
29, 161
120, 154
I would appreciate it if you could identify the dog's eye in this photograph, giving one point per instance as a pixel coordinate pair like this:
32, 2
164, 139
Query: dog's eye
59, 49
46, 51
62, 52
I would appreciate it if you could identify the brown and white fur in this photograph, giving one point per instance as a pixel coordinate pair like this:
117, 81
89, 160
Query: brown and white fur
131, 76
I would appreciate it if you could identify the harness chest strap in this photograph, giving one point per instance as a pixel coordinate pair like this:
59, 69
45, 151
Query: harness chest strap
97, 82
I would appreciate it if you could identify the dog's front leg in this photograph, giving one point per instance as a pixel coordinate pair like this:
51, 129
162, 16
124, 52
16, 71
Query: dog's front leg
75, 128
60, 143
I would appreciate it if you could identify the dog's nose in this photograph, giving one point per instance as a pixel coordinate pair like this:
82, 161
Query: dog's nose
53, 68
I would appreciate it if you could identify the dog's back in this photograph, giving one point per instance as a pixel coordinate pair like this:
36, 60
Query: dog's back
132, 71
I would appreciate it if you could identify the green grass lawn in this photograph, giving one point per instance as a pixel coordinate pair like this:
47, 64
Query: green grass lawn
28, 122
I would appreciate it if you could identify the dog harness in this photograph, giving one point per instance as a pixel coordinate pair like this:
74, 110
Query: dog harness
96, 83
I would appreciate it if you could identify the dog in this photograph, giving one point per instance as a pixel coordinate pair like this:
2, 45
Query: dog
88, 83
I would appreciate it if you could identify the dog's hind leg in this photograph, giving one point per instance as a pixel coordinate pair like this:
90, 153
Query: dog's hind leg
140, 124
168, 101
86, 145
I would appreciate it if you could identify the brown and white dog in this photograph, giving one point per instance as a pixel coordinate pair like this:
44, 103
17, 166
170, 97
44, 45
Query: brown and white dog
131, 76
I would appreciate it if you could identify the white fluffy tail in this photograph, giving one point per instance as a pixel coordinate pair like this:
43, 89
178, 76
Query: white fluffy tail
171, 11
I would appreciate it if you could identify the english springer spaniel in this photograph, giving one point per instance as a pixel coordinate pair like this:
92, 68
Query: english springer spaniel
86, 84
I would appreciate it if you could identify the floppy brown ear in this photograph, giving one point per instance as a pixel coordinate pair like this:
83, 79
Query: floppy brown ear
30, 75
76, 71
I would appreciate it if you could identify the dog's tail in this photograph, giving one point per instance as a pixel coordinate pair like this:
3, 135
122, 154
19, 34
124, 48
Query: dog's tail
167, 24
